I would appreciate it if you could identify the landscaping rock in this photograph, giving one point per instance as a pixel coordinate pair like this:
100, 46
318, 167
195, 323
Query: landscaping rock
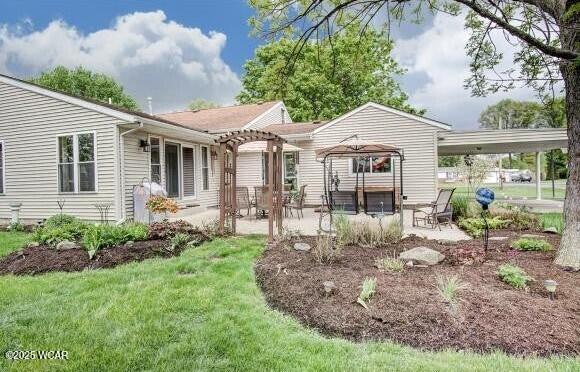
329, 288
551, 230
304, 247
447, 242
422, 256
65, 244
409, 264
531, 236
33, 244
130, 243
498, 238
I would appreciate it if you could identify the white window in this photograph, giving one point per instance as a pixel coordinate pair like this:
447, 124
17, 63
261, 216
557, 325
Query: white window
77, 163
205, 167
1, 167
371, 165
155, 160
290, 170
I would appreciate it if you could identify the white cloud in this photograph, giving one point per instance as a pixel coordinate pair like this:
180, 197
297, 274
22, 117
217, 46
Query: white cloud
439, 55
148, 54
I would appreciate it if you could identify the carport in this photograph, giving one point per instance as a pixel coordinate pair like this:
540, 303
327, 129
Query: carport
502, 142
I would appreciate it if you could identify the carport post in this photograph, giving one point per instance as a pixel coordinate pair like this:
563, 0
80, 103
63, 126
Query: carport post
538, 176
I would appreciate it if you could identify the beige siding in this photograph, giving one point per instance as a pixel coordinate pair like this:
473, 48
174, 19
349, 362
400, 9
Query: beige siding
418, 141
250, 170
273, 116
29, 125
137, 168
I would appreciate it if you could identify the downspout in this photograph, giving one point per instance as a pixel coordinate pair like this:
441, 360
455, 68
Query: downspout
122, 170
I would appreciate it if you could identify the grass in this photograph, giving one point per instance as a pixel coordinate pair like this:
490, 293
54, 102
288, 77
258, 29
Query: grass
514, 190
199, 311
11, 241
552, 220
449, 288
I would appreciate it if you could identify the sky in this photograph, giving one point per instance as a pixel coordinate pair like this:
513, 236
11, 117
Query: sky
176, 51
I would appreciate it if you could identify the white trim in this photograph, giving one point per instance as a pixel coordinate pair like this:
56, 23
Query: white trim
3, 153
150, 164
76, 163
194, 196
179, 169
279, 105
201, 166
383, 108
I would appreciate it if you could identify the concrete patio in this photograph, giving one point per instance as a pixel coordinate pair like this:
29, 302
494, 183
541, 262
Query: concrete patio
308, 225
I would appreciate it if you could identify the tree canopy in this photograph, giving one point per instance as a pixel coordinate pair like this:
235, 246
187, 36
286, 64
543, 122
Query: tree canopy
523, 114
84, 83
327, 79
200, 104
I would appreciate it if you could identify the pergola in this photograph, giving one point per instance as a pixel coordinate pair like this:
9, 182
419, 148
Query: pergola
229, 144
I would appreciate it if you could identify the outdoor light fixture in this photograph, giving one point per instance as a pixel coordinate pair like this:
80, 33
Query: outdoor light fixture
550, 286
468, 160
145, 145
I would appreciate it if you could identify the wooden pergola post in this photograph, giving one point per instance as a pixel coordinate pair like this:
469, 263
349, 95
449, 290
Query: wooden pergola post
271, 185
228, 177
222, 161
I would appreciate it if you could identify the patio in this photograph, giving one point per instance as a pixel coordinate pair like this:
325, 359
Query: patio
308, 225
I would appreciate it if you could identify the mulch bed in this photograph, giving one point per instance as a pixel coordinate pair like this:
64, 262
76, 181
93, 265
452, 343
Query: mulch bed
407, 307
42, 259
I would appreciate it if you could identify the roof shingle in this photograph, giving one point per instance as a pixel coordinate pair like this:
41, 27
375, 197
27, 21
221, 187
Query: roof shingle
220, 119
293, 128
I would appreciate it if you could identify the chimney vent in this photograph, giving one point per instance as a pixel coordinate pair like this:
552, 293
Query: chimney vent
150, 104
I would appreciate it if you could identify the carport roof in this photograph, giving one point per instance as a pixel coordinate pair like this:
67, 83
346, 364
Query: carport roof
501, 141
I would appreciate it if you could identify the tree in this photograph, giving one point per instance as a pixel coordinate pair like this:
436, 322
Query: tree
513, 115
449, 160
322, 84
544, 34
84, 83
200, 104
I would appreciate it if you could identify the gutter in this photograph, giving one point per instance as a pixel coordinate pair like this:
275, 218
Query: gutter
122, 169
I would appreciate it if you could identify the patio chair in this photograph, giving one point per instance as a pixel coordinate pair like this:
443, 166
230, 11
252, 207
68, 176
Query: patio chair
440, 211
297, 202
243, 200
261, 200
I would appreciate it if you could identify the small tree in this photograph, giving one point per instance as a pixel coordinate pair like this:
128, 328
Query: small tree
200, 104
474, 170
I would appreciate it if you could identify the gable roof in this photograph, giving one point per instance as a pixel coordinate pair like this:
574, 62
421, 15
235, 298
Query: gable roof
91, 104
294, 128
221, 119
422, 119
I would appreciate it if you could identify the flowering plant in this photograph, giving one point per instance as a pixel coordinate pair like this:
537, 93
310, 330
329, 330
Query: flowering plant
162, 204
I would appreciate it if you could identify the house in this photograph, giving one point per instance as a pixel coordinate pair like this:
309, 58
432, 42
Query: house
57, 148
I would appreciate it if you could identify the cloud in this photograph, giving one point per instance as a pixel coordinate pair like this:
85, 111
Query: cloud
147, 53
437, 67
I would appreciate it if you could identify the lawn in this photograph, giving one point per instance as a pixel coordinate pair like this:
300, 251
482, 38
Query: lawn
514, 190
9, 241
199, 311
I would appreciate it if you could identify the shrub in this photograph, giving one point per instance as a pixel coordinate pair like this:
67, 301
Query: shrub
530, 244
513, 275
59, 228
211, 228
449, 288
365, 233
97, 237
179, 240
462, 207
475, 226
325, 251
166, 229
16, 226
390, 264
552, 220
367, 291
519, 218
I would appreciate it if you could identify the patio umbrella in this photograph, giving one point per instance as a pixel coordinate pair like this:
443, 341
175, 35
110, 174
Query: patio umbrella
353, 147
261, 146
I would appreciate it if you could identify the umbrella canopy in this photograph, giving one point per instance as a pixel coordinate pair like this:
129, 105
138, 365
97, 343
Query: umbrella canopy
261, 146
356, 147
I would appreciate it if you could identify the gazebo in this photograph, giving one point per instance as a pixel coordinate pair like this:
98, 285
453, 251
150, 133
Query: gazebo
228, 151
